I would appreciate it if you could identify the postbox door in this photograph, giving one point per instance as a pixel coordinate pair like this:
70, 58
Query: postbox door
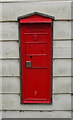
36, 62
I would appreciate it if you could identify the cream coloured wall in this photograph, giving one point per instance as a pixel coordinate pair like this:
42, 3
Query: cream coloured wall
61, 106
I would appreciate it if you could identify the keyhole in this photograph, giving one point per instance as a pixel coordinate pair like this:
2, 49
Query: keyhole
30, 56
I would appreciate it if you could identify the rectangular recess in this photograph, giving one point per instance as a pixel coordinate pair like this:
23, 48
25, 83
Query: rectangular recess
32, 48
31, 37
36, 47
38, 79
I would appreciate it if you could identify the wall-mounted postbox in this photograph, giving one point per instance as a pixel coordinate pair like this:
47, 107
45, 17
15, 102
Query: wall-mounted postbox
36, 57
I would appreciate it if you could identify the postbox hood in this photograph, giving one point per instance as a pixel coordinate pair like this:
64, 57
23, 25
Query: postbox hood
36, 17
36, 13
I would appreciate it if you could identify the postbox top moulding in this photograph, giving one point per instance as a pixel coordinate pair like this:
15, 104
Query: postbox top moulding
36, 17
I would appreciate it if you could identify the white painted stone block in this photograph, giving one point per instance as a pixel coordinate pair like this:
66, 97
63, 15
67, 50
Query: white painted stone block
12, 85
10, 50
61, 49
4, 1
27, 114
62, 85
62, 114
59, 9
36, 114
72, 103
1, 11
0, 67
9, 31
10, 67
0, 115
60, 102
61, 67
61, 30
0, 101
0, 84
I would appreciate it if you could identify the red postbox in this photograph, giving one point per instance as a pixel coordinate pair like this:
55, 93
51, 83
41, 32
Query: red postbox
36, 57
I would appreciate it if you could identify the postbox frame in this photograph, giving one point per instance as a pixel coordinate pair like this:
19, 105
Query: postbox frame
18, 19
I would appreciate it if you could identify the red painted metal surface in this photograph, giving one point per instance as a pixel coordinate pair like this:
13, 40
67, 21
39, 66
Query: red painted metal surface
36, 18
36, 48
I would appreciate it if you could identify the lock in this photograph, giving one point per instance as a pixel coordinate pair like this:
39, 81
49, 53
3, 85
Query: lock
28, 64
